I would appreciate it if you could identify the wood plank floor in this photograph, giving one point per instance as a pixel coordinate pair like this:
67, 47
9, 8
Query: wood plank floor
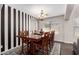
66, 49
58, 49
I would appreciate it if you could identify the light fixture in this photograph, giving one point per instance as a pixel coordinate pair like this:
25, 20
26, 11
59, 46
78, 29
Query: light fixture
43, 15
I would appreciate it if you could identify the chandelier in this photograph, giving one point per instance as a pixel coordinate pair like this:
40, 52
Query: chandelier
42, 15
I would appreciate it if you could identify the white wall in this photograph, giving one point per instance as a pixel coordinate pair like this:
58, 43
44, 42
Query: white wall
20, 26
32, 25
65, 28
16, 27
12, 29
76, 28
6, 27
56, 23
72, 25
69, 31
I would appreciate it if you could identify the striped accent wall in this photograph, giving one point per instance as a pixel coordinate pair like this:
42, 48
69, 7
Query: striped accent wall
0, 32
12, 22
9, 27
2, 28
14, 15
19, 26
28, 23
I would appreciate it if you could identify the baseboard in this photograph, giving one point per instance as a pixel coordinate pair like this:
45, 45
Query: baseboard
10, 49
69, 42
64, 42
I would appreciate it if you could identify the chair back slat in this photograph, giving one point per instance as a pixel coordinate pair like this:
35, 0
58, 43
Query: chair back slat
22, 34
45, 39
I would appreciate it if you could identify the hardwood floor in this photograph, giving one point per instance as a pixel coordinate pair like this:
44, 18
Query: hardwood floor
58, 49
66, 49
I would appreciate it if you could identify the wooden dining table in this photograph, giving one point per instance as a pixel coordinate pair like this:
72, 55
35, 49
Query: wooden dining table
32, 38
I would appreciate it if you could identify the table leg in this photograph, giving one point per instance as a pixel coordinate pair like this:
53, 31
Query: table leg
32, 48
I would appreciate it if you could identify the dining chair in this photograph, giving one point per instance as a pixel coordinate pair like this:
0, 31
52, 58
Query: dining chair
25, 41
51, 40
43, 44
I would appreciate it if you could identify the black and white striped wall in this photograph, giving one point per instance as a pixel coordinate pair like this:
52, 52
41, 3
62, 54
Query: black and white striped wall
12, 21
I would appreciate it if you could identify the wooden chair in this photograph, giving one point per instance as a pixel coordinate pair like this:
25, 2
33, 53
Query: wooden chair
43, 45
25, 41
51, 40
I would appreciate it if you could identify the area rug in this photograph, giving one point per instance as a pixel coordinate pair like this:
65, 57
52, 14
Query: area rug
55, 51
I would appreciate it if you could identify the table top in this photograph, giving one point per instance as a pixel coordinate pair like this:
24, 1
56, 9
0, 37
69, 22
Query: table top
31, 36
34, 36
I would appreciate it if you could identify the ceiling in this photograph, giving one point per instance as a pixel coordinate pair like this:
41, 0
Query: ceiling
34, 9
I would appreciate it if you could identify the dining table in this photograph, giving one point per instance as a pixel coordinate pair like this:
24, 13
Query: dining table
32, 38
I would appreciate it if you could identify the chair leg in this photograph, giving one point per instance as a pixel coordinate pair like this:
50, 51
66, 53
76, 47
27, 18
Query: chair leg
34, 49
46, 50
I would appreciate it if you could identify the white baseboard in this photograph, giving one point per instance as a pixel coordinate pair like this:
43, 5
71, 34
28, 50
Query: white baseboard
65, 42
10, 49
68, 42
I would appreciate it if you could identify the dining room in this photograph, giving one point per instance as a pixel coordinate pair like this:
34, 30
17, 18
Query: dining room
35, 29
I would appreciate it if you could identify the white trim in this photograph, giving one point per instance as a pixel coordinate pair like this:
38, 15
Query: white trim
24, 21
16, 27
9, 50
64, 42
27, 22
68, 42
20, 25
12, 29
6, 28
